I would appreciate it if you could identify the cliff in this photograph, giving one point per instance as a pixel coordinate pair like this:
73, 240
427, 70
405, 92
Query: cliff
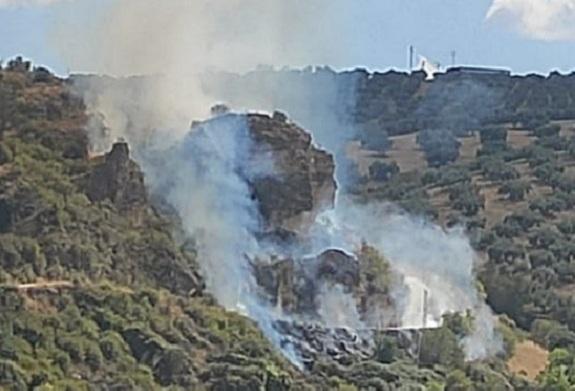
302, 184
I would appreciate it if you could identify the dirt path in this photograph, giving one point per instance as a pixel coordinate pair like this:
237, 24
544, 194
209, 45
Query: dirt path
529, 360
43, 285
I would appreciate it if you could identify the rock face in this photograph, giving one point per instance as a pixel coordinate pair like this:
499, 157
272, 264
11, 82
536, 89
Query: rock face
294, 285
312, 342
303, 182
118, 179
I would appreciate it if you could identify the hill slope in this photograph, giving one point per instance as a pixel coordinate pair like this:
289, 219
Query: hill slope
97, 293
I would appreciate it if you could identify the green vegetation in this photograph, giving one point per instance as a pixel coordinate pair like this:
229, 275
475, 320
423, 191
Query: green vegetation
516, 202
127, 308
115, 301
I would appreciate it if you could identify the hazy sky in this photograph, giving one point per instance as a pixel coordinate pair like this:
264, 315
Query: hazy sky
524, 35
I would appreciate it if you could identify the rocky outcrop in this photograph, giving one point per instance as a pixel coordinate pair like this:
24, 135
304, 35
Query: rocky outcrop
303, 181
118, 179
171, 366
295, 285
312, 342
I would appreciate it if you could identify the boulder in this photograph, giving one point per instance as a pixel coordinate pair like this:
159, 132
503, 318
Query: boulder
338, 267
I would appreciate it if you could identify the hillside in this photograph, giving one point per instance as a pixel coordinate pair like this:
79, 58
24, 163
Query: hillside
99, 290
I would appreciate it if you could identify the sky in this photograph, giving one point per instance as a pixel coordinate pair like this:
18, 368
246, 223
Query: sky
523, 35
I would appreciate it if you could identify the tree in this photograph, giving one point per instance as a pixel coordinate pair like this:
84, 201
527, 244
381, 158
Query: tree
537, 155
542, 238
515, 191
375, 139
458, 381
560, 374
508, 229
441, 346
534, 119
547, 131
6, 154
219, 109
7, 105
382, 171
505, 251
567, 226
498, 170
439, 145
548, 172
526, 219
493, 135
548, 206
540, 258
385, 349
465, 197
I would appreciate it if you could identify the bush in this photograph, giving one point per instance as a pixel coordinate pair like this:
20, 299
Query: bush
498, 170
74, 346
515, 191
382, 172
6, 154
93, 356
439, 145
547, 131
458, 381
113, 346
540, 258
566, 226
526, 219
493, 135
375, 139
385, 349
465, 198
441, 346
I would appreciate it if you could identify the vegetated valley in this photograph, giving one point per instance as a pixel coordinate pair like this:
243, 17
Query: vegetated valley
101, 287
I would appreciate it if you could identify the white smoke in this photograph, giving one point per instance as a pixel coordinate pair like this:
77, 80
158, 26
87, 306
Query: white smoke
199, 177
178, 41
337, 308
432, 259
548, 20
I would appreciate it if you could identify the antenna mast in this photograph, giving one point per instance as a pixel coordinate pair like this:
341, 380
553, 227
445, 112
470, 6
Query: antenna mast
425, 309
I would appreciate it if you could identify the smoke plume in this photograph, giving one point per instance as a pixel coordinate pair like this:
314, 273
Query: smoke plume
203, 174
432, 259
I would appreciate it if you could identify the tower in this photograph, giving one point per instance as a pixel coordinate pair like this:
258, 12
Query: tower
411, 57
425, 309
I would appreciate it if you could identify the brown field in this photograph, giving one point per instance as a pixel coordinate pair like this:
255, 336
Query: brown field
567, 128
406, 153
529, 360
409, 157
469, 147
519, 138
362, 157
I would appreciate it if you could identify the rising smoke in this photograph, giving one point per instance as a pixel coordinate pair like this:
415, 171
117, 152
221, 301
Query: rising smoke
432, 259
202, 174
